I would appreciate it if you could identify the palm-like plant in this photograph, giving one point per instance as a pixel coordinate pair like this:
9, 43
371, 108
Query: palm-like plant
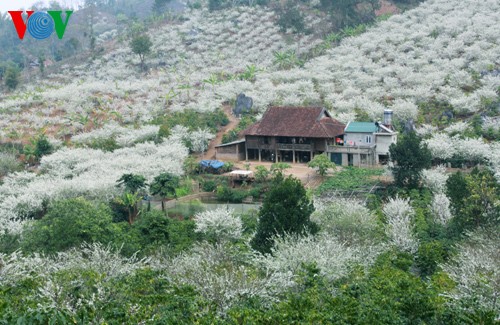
250, 73
212, 81
130, 201
132, 183
285, 59
164, 185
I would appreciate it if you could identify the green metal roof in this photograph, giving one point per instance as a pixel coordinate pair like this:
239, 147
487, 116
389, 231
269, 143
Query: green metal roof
361, 127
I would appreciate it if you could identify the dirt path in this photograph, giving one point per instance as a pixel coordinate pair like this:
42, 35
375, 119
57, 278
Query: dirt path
233, 123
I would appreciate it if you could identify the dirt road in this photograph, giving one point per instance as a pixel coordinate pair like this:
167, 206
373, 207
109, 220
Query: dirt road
233, 123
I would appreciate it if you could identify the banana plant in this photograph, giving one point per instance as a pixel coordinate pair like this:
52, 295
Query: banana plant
187, 88
170, 96
130, 201
212, 81
250, 73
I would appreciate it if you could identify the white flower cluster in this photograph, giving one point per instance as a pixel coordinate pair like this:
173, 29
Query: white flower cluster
457, 128
476, 271
423, 54
426, 130
440, 208
198, 139
106, 262
83, 172
435, 179
220, 224
331, 256
348, 219
442, 146
399, 227
495, 159
216, 272
493, 123
429, 59
124, 137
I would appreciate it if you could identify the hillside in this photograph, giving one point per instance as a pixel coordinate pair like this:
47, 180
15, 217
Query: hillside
88, 142
204, 59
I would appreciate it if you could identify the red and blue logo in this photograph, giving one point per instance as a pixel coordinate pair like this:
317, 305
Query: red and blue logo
40, 24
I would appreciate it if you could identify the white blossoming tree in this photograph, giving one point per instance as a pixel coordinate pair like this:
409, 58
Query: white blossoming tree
435, 179
476, 272
399, 226
440, 208
219, 225
330, 255
347, 219
217, 273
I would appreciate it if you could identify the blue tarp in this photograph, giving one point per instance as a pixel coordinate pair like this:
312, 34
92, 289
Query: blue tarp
215, 164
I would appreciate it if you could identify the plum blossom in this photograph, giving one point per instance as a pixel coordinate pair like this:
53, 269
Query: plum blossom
399, 227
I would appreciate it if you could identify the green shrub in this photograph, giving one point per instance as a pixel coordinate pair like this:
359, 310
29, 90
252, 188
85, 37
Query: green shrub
9, 242
261, 174
193, 120
108, 144
286, 210
250, 221
42, 146
153, 227
8, 163
291, 17
69, 223
350, 178
185, 188
209, 185
226, 194
429, 256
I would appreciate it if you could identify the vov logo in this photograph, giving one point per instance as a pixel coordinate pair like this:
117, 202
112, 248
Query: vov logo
40, 24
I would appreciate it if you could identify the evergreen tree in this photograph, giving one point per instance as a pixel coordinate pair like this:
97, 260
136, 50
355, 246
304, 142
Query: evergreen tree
164, 185
286, 211
345, 13
11, 78
291, 17
159, 6
132, 183
472, 199
216, 4
410, 157
42, 147
141, 45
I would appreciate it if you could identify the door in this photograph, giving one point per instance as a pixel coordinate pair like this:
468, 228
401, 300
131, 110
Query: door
336, 158
350, 159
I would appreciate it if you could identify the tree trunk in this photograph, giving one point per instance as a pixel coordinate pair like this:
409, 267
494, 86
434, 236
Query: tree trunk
130, 220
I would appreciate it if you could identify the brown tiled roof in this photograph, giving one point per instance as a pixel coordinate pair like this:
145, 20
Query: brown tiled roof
308, 122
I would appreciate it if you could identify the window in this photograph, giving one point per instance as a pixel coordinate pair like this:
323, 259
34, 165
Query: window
368, 139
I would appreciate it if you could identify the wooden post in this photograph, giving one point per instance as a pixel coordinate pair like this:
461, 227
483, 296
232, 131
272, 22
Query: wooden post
246, 151
293, 156
260, 156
